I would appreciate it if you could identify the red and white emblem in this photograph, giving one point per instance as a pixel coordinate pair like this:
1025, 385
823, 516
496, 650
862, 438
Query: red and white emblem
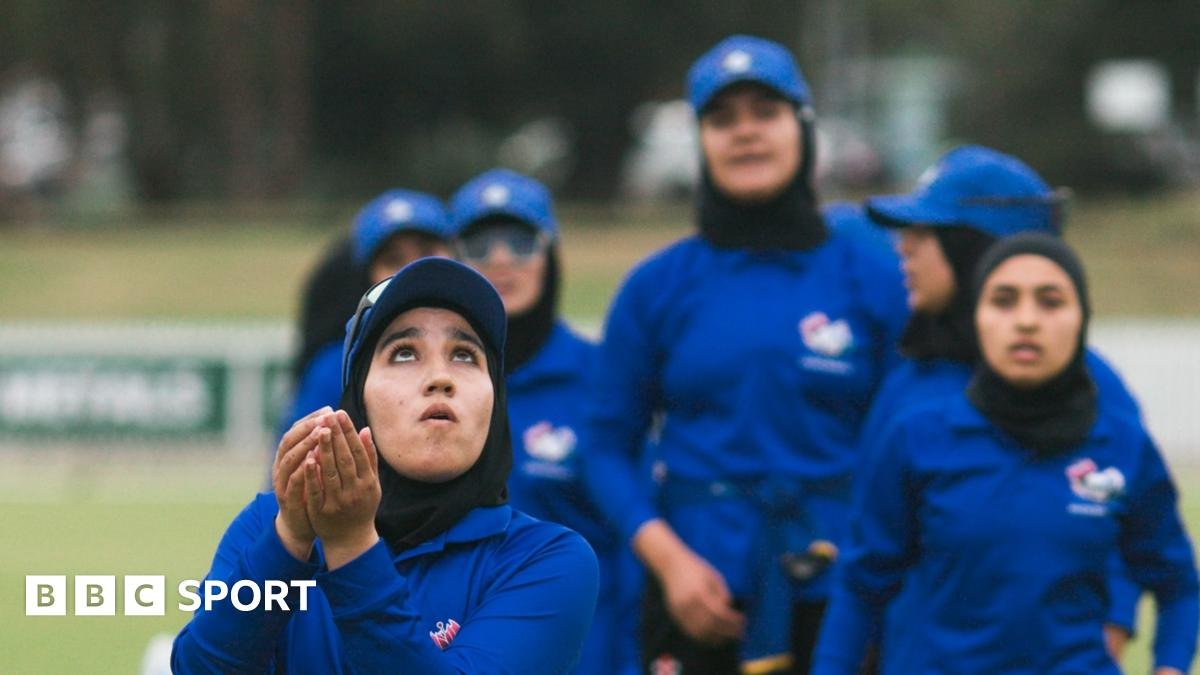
444, 635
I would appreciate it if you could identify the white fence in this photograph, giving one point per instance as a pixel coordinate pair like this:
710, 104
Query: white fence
80, 383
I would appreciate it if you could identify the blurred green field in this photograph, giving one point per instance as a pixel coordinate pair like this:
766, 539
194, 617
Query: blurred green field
1141, 256
143, 514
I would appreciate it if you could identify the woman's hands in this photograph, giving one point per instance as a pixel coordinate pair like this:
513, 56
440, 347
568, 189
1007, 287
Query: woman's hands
695, 592
326, 480
341, 484
287, 477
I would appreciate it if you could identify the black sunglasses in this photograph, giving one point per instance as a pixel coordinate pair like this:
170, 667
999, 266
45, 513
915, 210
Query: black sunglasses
522, 241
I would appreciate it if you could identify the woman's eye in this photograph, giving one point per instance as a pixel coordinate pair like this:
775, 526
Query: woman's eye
1004, 301
463, 355
404, 354
1051, 302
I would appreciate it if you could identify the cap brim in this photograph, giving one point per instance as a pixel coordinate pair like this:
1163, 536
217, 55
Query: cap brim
442, 282
898, 211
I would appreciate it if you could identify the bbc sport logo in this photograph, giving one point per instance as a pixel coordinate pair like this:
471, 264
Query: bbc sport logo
146, 595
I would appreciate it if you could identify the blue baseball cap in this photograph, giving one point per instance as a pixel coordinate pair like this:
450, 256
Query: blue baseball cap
427, 282
977, 187
501, 192
395, 211
744, 58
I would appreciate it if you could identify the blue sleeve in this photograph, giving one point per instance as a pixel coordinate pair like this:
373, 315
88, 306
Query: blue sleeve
225, 639
882, 412
1123, 597
1159, 558
881, 546
532, 619
1114, 395
319, 385
624, 386
882, 286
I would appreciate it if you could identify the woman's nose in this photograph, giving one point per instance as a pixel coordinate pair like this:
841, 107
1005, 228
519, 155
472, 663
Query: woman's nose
440, 383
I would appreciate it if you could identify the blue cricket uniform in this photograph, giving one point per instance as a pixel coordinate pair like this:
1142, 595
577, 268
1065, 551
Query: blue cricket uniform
763, 365
499, 592
546, 408
1007, 549
915, 382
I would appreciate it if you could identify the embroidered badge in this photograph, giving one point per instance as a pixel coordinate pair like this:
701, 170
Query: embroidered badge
825, 337
398, 211
495, 195
444, 635
543, 441
737, 61
1089, 483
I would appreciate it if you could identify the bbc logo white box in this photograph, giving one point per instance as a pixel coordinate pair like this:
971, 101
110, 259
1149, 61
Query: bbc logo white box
45, 595
145, 595
95, 595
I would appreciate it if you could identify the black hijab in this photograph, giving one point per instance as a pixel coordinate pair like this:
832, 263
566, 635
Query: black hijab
950, 334
788, 221
411, 511
1058, 414
331, 293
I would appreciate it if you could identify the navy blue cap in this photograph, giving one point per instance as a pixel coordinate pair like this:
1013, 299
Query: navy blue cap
975, 187
392, 212
744, 58
428, 282
501, 192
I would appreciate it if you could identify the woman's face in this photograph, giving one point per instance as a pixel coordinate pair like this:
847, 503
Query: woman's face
751, 143
428, 395
402, 248
1028, 318
927, 274
513, 258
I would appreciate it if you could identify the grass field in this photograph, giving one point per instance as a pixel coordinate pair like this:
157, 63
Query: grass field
1141, 256
129, 513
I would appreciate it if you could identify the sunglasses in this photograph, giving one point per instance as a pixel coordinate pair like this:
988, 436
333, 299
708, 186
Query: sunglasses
522, 242
354, 329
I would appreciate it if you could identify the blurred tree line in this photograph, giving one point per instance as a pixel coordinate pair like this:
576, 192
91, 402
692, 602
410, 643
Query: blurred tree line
267, 99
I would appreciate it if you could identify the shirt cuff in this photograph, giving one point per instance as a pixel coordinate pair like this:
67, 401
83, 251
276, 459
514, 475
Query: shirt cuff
362, 583
267, 559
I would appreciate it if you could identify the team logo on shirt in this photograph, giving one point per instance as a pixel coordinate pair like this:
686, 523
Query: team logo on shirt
825, 337
1090, 483
444, 635
545, 442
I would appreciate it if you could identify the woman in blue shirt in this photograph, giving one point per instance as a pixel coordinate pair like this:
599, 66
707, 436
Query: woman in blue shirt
757, 345
396, 507
1000, 507
505, 229
972, 197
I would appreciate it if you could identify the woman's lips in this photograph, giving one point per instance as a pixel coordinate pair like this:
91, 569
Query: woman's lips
1025, 352
439, 413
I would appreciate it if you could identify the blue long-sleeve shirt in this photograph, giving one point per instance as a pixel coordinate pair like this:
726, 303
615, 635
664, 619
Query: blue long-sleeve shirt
1007, 549
520, 591
762, 364
547, 397
319, 385
915, 382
